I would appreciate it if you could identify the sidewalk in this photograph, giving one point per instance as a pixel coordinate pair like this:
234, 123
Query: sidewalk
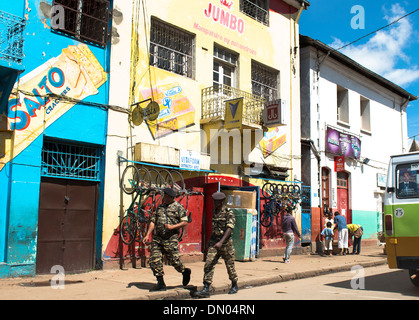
134, 284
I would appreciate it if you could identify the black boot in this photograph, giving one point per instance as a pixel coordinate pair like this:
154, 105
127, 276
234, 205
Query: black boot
186, 276
205, 292
161, 286
234, 287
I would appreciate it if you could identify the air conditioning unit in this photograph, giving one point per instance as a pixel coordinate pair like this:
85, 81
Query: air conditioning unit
275, 113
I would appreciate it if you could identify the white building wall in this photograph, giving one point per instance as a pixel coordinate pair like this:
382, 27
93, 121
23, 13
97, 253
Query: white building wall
387, 135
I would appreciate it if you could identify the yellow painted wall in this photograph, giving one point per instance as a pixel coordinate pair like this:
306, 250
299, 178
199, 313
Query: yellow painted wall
269, 45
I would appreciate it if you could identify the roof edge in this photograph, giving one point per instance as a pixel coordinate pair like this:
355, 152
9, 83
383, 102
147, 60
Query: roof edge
306, 41
298, 3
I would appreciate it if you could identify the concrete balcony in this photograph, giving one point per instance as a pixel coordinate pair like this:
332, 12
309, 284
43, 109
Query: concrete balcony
228, 155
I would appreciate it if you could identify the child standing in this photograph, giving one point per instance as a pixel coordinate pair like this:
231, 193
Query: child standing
328, 235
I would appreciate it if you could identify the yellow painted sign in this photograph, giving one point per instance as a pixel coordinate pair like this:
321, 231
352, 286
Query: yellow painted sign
233, 114
172, 109
75, 73
273, 139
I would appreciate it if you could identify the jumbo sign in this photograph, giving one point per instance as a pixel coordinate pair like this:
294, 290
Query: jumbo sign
223, 17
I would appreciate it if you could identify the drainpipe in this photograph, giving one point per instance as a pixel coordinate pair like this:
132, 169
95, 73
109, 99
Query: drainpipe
295, 26
404, 104
293, 58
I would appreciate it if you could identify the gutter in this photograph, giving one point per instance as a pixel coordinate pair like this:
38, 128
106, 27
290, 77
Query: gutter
306, 41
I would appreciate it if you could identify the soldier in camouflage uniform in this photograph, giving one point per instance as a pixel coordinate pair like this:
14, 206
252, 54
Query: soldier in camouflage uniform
170, 216
220, 245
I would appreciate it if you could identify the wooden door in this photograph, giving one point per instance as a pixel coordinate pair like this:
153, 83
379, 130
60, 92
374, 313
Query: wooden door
342, 196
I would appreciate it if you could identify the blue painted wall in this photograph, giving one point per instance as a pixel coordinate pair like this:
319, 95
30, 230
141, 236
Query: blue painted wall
369, 220
20, 178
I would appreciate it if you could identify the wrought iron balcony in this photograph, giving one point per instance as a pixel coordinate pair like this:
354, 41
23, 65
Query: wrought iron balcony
11, 38
213, 104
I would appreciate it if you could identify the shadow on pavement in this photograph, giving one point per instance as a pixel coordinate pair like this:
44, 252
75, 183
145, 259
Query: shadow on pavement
396, 282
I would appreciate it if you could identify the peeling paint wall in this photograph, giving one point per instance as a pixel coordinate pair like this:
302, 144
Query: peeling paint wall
49, 67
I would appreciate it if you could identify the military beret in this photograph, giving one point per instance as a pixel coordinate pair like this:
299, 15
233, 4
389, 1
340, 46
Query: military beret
170, 192
218, 196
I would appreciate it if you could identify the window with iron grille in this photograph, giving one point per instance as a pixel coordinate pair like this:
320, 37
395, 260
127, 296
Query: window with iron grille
70, 161
257, 9
171, 48
265, 81
86, 20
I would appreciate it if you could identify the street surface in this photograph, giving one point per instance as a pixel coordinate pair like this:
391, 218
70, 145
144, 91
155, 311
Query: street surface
380, 283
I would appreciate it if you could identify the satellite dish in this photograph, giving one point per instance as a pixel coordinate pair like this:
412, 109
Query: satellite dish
137, 116
152, 111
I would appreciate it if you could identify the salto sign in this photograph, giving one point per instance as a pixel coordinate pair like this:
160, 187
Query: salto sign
224, 17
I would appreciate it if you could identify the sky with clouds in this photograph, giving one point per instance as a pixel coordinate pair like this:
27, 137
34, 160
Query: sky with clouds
392, 52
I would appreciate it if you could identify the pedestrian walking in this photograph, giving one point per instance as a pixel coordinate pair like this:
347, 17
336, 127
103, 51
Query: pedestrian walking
220, 245
289, 227
340, 222
170, 216
356, 231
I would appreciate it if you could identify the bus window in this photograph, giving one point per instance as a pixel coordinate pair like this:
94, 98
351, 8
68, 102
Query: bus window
406, 178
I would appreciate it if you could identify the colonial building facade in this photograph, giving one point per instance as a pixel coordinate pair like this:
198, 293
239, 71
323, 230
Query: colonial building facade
352, 120
211, 67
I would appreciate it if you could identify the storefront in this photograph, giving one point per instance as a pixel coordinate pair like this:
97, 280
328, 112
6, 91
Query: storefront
206, 69
52, 167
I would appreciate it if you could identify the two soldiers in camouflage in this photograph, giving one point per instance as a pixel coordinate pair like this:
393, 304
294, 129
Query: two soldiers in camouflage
169, 218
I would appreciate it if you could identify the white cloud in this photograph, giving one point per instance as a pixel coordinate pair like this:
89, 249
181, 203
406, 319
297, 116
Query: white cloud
385, 49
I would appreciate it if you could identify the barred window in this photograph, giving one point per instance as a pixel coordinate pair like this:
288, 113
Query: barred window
62, 160
257, 9
171, 48
265, 81
85, 19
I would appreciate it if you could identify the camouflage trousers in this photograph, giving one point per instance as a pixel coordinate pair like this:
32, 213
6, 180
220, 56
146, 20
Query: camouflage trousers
170, 248
227, 253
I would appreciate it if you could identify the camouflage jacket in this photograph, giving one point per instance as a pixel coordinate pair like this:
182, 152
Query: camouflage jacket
221, 222
168, 214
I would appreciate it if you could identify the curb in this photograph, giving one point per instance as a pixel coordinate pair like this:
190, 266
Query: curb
181, 294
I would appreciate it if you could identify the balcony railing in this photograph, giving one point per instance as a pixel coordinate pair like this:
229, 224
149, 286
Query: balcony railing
11, 37
213, 104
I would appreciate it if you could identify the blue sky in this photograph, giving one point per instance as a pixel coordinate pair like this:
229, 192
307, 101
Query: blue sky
392, 52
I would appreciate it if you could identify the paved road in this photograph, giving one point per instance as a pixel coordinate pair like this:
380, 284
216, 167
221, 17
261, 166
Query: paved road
378, 283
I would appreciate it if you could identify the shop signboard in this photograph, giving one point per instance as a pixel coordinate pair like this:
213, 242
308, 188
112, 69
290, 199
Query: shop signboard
343, 144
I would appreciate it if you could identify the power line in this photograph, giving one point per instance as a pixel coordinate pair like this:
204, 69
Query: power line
367, 35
